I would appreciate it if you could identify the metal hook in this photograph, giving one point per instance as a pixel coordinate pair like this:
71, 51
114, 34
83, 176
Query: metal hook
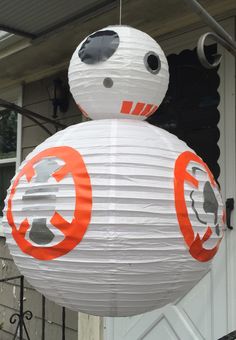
216, 58
219, 35
201, 51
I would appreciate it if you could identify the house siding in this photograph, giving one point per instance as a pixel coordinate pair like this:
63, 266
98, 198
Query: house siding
35, 98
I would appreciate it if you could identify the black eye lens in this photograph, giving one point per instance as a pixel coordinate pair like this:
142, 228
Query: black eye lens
99, 47
152, 62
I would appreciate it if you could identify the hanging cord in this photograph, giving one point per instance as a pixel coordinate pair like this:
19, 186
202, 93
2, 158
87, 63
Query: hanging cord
120, 12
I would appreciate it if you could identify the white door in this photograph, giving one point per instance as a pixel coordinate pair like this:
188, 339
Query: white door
208, 310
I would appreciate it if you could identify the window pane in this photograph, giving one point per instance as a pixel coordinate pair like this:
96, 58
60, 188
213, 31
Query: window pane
8, 131
6, 174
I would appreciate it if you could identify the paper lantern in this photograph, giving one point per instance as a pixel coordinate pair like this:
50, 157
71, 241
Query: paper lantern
113, 217
118, 72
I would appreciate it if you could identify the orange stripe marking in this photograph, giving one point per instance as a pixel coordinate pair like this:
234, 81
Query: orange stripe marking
84, 113
147, 109
142, 109
152, 111
138, 109
126, 107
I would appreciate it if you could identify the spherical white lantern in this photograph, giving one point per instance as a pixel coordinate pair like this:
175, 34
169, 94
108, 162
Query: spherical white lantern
118, 72
113, 218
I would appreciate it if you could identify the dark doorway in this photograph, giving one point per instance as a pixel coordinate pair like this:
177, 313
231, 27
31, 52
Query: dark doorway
189, 109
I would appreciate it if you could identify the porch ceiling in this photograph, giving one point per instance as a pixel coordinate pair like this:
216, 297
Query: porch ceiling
33, 18
54, 28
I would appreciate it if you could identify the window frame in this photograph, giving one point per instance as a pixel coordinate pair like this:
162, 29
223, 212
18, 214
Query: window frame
13, 95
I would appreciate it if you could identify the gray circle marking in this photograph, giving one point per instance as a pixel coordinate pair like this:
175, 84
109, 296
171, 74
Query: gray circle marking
108, 82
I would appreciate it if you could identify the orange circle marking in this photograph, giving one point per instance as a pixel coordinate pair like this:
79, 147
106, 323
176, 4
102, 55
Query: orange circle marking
73, 231
194, 242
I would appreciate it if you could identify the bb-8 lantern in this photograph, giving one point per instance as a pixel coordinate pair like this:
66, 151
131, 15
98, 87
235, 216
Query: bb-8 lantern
113, 217
118, 72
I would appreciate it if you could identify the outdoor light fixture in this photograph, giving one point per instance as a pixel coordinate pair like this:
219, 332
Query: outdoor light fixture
114, 217
59, 96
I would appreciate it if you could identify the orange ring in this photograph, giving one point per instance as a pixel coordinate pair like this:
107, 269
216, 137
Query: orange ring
73, 231
194, 243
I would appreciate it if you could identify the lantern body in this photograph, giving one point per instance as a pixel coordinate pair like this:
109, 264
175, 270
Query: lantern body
132, 256
118, 72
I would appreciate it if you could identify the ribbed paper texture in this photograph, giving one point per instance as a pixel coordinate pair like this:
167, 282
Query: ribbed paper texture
131, 79
133, 257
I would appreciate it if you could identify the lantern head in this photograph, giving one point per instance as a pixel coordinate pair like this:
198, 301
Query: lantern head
118, 72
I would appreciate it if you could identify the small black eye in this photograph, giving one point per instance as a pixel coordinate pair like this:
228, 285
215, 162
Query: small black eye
99, 47
152, 62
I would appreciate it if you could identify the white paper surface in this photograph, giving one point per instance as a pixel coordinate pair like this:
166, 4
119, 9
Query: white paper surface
133, 257
132, 81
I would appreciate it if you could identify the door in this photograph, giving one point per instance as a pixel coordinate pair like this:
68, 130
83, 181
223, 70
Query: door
207, 312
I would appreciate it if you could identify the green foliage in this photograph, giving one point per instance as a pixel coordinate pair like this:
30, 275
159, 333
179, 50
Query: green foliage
8, 131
